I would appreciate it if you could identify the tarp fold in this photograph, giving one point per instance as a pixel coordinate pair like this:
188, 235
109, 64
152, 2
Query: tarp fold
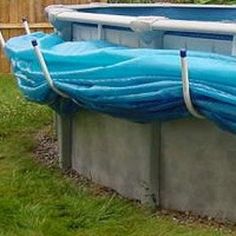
136, 84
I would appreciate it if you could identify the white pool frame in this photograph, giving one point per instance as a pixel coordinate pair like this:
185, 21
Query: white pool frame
67, 13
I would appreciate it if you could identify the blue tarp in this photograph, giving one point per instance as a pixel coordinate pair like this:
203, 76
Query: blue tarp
136, 84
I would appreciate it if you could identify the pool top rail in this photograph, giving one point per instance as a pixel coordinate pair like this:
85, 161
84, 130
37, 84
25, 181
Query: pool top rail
112, 15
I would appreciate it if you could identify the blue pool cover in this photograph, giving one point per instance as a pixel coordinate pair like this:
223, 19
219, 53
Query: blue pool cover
136, 84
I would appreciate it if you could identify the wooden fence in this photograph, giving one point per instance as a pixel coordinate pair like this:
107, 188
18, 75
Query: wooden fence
11, 13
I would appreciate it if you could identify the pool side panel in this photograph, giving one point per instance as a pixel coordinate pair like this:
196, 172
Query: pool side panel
198, 162
118, 154
169, 40
172, 41
118, 36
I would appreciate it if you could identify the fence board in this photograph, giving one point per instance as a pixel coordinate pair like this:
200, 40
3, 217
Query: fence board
11, 13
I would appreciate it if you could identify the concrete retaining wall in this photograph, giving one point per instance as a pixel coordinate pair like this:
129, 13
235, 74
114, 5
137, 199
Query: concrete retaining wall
186, 165
118, 154
197, 164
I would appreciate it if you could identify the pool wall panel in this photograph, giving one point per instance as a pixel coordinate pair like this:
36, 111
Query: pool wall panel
185, 165
118, 36
198, 44
197, 169
99, 152
154, 40
83, 33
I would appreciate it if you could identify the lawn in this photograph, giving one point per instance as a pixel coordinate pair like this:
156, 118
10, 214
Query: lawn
36, 200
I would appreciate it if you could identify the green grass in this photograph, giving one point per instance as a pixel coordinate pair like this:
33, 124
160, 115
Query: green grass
35, 200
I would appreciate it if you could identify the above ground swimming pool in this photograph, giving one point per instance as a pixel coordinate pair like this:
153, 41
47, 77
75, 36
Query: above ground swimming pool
158, 162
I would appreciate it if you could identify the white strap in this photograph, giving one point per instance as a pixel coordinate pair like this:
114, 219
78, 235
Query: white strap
2, 40
100, 32
26, 26
233, 52
45, 69
185, 81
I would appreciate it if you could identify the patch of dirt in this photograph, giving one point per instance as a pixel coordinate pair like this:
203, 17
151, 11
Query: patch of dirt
188, 218
46, 152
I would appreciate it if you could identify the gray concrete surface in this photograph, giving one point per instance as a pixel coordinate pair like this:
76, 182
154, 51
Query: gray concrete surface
185, 165
198, 163
118, 154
